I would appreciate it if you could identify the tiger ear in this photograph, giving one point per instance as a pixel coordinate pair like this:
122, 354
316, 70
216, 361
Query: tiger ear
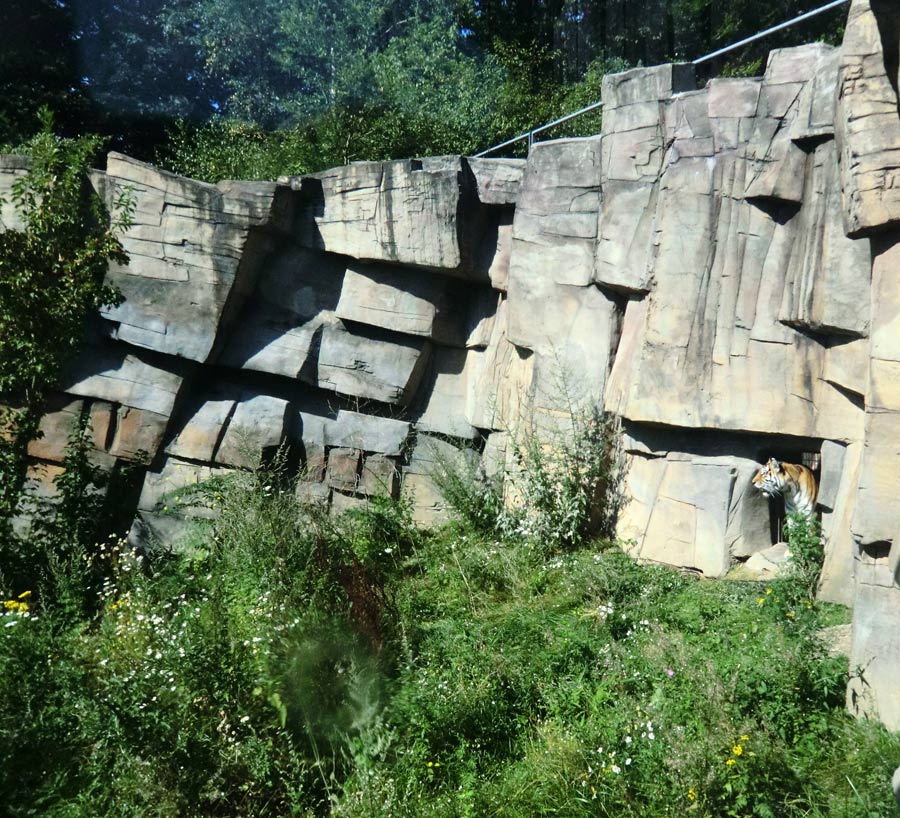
775, 464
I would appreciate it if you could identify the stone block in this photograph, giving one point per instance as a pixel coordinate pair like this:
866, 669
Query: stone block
190, 257
829, 275
499, 380
837, 494
876, 649
497, 181
867, 125
877, 516
776, 163
652, 84
429, 508
693, 511
444, 394
408, 301
371, 363
379, 476
885, 325
115, 374
12, 168
341, 503
200, 435
573, 359
847, 365
832, 470
138, 434
167, 490
343, 469
555, 224
397, 211
153, 532
257, 427
369, 433
816, 106
56, 426
280, 329
313, 494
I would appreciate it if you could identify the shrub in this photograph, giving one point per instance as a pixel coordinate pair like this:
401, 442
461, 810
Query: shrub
564, 487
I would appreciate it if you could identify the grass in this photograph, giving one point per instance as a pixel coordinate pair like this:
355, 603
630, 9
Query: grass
289, 664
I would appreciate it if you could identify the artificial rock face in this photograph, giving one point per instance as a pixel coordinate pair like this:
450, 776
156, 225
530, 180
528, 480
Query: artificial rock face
718, 268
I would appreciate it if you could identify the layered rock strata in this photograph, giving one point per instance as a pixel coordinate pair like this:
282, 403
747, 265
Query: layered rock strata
718, 268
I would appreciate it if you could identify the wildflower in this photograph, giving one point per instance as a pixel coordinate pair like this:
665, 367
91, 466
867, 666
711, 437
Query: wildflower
768, 591
692, 794
729, 762
737, 750
670, 672
760, 601
616, 769
745, 738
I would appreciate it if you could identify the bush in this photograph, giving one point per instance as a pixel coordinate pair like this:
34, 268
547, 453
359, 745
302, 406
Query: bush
564, 486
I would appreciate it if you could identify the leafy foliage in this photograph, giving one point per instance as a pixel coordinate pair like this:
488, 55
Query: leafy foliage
286, 662
52, 264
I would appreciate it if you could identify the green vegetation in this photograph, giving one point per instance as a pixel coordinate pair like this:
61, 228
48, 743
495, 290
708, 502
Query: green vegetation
285, 662
52, 263
210, 90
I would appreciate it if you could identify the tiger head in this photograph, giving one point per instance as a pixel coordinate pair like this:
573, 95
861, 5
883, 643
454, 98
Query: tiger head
771, 478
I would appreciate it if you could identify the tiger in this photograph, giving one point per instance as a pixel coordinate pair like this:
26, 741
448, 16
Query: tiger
795, 483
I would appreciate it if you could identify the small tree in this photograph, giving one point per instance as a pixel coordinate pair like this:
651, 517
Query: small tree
51, 278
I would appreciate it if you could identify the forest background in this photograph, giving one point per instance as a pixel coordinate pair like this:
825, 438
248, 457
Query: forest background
229, 89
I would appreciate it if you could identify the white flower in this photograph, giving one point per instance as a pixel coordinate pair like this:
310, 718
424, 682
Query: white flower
627, 762
616, 769
628, 739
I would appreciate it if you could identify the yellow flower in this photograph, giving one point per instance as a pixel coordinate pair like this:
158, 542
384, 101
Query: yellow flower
692, 794
790, 614
737, 750
745, 738
761, 600
768, 591
729, 762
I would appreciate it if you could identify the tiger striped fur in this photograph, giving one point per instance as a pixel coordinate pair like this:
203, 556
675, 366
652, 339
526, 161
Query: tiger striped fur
795, 483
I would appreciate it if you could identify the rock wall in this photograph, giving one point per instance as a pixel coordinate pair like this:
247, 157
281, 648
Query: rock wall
719, 268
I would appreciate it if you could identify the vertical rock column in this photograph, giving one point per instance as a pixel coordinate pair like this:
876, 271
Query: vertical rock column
868, 132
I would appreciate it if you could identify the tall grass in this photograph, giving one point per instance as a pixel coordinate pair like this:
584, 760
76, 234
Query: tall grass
288, 663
